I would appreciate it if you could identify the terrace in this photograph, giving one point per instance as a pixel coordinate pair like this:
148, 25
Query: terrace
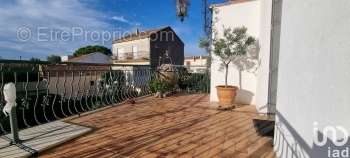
118, 117
177, 126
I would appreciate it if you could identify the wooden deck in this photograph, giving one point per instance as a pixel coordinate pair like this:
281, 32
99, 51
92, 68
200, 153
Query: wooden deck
177, 126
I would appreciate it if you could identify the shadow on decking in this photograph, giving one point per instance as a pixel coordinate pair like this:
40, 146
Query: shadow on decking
40, 138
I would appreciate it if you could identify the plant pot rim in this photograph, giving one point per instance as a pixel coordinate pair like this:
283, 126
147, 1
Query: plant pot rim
228, 87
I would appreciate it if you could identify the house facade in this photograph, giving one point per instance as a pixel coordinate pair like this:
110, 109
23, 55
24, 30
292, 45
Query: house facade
302, 76
151, 47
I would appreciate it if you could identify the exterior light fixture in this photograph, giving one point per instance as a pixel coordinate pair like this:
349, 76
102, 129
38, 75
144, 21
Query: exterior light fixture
182, 9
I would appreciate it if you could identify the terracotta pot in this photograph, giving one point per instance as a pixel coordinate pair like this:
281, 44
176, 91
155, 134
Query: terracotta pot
226, 95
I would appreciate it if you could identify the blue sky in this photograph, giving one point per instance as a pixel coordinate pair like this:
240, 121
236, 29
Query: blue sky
61, 26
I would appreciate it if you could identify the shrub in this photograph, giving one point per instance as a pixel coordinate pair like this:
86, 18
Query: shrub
158, 85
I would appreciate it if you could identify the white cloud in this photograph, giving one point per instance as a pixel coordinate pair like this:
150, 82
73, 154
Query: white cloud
59, 15
120, 19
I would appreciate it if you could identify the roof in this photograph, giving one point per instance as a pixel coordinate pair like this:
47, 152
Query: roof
139, 35
85, 56
230, 2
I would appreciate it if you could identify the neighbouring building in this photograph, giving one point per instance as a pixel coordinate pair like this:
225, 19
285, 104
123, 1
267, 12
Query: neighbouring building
72, 80
196, 64
151, 47
303, 77
92, 67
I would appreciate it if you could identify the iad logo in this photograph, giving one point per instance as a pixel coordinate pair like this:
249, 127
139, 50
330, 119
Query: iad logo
332, 133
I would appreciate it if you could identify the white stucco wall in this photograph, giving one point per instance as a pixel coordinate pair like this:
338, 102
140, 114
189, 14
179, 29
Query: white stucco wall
235, 15
264, 55
314, 75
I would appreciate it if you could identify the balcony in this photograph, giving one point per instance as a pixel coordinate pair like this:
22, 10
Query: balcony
94, 111
132, 56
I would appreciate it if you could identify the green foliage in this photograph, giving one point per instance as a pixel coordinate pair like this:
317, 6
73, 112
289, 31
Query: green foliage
234, 44
53, 59
204, 43
92, 49
158, 85
196, 82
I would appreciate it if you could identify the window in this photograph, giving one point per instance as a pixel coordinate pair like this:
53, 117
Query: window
134, 51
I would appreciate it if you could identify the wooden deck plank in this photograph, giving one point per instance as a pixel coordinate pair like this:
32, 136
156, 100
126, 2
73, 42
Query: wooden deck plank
177, 126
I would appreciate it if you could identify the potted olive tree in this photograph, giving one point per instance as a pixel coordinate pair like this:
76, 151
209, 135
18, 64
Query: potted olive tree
232, 47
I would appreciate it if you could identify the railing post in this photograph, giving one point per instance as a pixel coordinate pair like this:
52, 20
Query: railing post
14, 126
10, 108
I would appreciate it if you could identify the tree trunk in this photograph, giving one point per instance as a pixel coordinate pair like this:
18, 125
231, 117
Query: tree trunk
226, 73
240, 78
